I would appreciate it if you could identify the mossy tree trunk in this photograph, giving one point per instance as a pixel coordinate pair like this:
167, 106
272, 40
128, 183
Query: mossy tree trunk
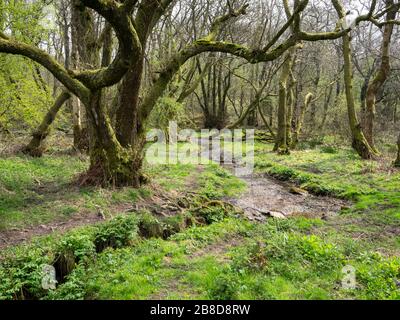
110, 162
380, 77
291, 102
359, 143
298, 123
36, 146
281, 143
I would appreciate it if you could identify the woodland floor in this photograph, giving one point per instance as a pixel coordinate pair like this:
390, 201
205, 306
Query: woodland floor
338, 211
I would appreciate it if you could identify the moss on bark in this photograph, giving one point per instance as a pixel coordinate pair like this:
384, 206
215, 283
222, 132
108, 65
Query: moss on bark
36, 146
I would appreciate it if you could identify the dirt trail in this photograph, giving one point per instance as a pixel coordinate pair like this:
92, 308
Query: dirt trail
267, 197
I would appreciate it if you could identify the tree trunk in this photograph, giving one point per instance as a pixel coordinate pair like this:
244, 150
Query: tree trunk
36, 147
397, 162
281, 143
380, 77
127, 113
110, 162
360, 143
300, 119
326, 107
84, 54
291, 102
316, 82
81, 138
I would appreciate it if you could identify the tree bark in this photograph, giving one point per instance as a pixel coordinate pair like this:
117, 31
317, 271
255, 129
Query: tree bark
36, 147
281, 143
380, 78
291, 102
397, 162
110, 162
360, 143
300, 119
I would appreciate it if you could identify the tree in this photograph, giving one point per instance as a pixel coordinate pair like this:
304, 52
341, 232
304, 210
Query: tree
360, 143
116, 150
282, 138
35, 148
381, 75
299, 119
285, 109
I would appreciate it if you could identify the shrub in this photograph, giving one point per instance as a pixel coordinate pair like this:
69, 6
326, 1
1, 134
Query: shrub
21, 273
73, 288
72, 249
324, 256
212, 214
380, 278
150, 226
225, 287
116, 233
329, 149
176, 224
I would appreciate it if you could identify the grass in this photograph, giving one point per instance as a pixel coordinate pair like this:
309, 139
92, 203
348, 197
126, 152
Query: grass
374, 188
34, 192
297, 258
30, 190
236, 259
39, 191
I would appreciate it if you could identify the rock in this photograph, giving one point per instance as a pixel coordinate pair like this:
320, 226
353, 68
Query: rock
298, 191
276, 214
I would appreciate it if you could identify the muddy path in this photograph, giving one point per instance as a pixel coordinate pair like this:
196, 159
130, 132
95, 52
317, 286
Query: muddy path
267, 197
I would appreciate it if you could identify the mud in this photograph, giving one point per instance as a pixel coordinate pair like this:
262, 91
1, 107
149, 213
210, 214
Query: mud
266, 197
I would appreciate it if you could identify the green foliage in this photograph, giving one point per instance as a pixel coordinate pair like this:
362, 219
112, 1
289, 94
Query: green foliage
213, 213
329, 149
380, 278
72, 289
23, 103
117, 233
28, 21
21, 271
324, 256
217, 183
150, 226
225, 286
25, 97
176, 224
167, 109
78, 245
